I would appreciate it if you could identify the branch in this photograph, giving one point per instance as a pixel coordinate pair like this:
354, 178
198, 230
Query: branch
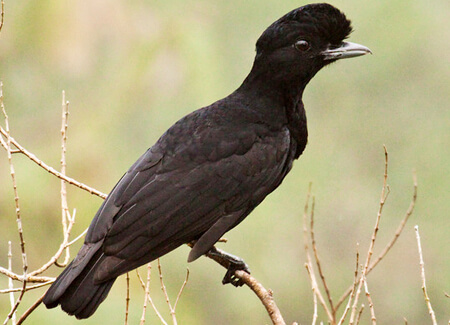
316, 257
17, 205
2, 15
148, 294
422, 273
49, 169
390, 244
264, 295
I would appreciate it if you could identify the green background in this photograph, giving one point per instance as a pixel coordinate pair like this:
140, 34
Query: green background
130, 69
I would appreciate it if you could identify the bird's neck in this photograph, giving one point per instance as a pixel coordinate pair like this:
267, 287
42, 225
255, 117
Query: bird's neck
280, 105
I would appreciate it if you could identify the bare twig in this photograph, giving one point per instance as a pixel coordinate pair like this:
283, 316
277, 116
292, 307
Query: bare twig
308, 265
319, 266
51, 170
147, 294
352, 293
17, 205
150, 298
2, 15
127, 299
166, 295
390, 244
358, 318
62, 246
264, 295
400, 227
369, 299
422, 273
181, 289
10, 282
30, 310
65, 216
28, 288
28, 278
384, 195
316, 292
315, 315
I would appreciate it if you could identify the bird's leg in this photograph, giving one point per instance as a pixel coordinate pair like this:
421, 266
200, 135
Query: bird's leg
231, 263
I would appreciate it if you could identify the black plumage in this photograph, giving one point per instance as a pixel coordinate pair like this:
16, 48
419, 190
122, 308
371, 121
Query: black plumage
212, 167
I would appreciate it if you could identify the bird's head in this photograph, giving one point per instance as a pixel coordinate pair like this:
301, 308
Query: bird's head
296, 46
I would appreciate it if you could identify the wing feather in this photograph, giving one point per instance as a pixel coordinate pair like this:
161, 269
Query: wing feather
168, 198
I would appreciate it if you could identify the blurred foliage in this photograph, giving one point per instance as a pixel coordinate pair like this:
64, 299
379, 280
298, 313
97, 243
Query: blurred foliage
131, 69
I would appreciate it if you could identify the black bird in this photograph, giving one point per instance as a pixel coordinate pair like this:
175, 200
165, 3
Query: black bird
212, 167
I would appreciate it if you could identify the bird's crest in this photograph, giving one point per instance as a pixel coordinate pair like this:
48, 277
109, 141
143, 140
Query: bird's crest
319, 20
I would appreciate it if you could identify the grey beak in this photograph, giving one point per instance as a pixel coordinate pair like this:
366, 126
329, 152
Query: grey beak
346, 50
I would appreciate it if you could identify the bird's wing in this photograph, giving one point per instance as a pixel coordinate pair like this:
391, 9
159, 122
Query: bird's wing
176, 193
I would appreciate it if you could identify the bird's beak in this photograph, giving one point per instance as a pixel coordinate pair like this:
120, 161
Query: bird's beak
346, 50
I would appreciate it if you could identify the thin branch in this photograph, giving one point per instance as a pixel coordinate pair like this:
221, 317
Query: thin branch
150, 298
358, 318
181, 289
314, 318
390, 244
369, 299
308, 265
352, 293
30, 310
127, 299
166, 295
384, 194
316, 292
17, 205
10, 282
147, 294
316, 257
264, 295
64, 245
78, 237
28, 288
28, 278
422, 273
400, 227
51, 170
2, 15
65, 216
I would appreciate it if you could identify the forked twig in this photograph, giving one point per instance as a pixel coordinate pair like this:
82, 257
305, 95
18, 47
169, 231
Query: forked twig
149, 297
384, 195
390, 244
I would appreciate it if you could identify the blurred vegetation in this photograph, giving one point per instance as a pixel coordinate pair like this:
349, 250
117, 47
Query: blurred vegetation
131, 69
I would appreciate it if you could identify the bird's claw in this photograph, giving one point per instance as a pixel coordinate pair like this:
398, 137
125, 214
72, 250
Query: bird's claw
230, 276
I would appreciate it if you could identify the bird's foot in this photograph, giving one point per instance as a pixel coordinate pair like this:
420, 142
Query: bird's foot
232, 263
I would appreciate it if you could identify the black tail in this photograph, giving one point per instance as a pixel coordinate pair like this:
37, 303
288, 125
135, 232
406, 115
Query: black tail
75, 289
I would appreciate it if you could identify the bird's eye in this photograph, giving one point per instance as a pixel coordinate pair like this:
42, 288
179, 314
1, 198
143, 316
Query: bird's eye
302, 45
